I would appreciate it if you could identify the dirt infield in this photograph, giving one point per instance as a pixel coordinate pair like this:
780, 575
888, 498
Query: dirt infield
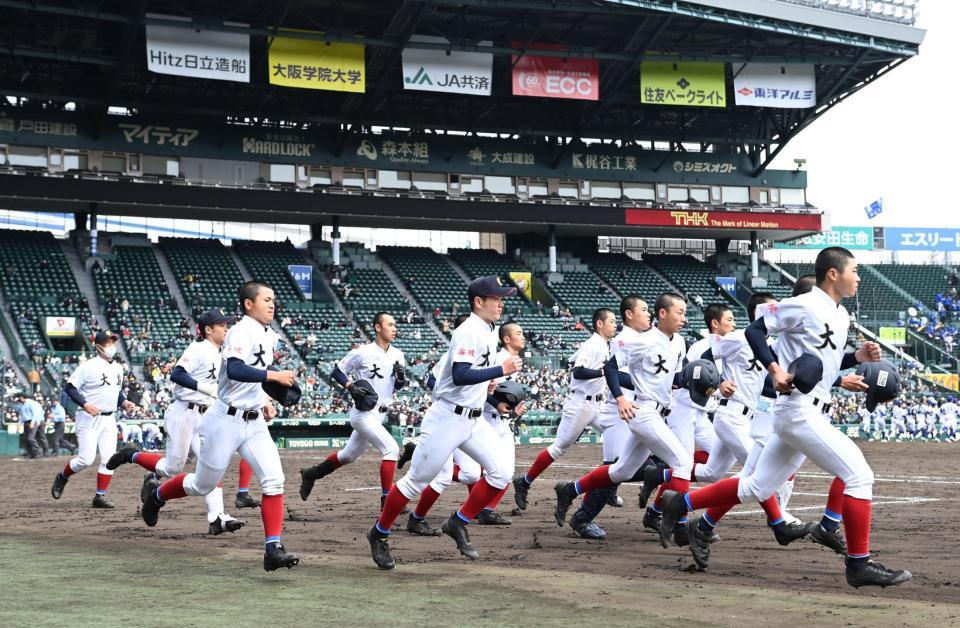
108, 568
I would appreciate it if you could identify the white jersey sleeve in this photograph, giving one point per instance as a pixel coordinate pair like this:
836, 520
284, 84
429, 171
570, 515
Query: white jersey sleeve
783, 316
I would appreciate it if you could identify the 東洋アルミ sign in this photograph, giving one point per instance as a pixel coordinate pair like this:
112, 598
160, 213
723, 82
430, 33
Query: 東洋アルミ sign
700, 219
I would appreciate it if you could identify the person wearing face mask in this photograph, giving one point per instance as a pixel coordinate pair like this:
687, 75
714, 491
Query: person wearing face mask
95, 386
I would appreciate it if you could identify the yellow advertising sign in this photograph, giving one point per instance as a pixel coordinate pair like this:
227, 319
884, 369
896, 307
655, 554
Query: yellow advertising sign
947, 380
524, 283
894, 335
309, 64
692, 84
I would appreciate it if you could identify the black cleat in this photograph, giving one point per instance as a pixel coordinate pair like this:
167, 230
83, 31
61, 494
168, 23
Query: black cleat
59, 483
124, 455
100, 501
307, 480
671, 508
651, 520
492, 518
457, 530
652, 478
787, 533
681, 535
564, 501
831, 540
145, 489
276, 556
244, 500
380, 549
520, 489
224, 523
699, 544
420, 527
587, 529
406, 455
150, 511
873, 574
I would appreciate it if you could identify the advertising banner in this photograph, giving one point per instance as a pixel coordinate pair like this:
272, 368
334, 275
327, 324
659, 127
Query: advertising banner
729, 284
61, 326
524, 283
894, 335
303, 277
691, 84
921, 239
452, 71
854, 238
198, 53
784, 86
721, 219
555, 77
309, 64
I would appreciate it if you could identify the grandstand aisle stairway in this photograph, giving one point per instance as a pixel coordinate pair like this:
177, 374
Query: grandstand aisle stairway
172, 284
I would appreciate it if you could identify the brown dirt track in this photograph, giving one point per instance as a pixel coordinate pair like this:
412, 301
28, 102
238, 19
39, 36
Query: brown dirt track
530, 573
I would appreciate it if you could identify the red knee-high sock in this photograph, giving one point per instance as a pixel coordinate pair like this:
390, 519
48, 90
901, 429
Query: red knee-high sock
835, 499
147, 460
700, 456
675, 484
271, 511
103, 482
544, 460
173, 488
722, 493
479, 497
245, 472
387, 469
67, 471
394, 504
427, 498
772, 507
496, 499
715, 514
456, 473
598, 478
856, 525
334, 459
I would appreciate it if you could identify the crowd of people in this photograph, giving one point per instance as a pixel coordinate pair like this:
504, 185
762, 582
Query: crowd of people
942, 322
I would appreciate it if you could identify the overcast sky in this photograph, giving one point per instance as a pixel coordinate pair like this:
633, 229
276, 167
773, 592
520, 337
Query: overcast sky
896, 139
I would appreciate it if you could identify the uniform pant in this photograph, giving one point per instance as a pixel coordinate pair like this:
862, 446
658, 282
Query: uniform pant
577, 415
733, 444
692, 427
649, 433
470, 469
615, 432
802, 431
441, 433
183, 437
222, 435
94, 434
36, 440
59, 440
368, 430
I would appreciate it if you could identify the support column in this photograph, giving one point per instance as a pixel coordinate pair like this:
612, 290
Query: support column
552, 249
93, 232
754, 256
335, 240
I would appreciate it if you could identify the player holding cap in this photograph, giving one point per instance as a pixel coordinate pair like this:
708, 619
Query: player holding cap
454, 420
195, 376
95, 386
237, 422
382, 366
811, 332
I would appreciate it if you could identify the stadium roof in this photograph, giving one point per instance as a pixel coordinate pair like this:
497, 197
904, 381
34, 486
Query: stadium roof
93, 55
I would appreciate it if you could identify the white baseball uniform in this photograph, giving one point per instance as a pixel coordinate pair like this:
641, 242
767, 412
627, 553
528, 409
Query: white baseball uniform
616, 430
372, 363
100, 383
688, 420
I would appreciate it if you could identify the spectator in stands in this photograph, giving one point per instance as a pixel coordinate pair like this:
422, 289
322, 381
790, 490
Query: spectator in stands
699, 301
436, 313
33, 377
454, 308
555, 310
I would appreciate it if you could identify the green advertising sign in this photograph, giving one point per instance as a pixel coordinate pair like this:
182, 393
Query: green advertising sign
856, 238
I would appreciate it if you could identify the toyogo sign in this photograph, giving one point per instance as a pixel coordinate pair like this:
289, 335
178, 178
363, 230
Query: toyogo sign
555, 77
721, 219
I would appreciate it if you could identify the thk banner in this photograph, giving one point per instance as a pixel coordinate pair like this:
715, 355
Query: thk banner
197, 53
447, 71
786, 86
721, 219
310, 64
555, 77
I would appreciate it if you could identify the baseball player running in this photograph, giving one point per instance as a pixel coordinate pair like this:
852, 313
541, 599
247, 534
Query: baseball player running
583, 404
452, 422
237, 422
380, 366
808, 328
95, 386
195, 377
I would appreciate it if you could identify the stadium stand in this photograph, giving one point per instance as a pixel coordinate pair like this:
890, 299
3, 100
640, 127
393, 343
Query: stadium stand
485, 262
268, 261
696, 279
204, 270
628, 276
428, 276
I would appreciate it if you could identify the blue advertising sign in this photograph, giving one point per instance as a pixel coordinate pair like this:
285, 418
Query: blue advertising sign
729, 284
303, 277
921, 239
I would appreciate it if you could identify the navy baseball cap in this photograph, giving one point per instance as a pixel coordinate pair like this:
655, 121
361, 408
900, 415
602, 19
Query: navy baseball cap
883, 380
103, 336
807, 371
285, 396
489, 287
700, 378
213, 316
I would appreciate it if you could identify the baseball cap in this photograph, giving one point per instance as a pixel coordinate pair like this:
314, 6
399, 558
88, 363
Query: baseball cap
701, 378
103, 336
807, 371
489, 287
284, 395
883, 380
213, 316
